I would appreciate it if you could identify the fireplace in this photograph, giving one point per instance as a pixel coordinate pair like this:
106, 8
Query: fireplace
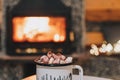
34, 27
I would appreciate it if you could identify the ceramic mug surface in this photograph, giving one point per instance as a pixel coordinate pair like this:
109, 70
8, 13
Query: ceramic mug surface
57, 71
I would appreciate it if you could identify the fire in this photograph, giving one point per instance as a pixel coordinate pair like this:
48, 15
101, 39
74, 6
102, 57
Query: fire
58, 38
39, 24
105, 49
39, 29
35, 26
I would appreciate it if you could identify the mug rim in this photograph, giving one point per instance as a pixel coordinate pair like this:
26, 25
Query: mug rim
52, 65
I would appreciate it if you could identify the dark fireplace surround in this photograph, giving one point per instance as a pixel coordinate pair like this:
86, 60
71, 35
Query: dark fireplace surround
54, 8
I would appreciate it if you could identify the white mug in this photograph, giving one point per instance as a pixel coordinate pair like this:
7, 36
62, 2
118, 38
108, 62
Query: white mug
57, 72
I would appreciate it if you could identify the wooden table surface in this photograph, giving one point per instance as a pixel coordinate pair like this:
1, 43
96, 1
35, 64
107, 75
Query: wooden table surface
33, 77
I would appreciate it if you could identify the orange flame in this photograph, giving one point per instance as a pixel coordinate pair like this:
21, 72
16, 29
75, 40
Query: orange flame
39, 29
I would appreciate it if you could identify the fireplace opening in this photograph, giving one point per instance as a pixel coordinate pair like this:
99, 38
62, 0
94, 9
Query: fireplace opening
35, 27
39, 29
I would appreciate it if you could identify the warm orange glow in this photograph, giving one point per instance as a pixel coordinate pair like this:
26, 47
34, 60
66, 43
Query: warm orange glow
39, 29
58, 38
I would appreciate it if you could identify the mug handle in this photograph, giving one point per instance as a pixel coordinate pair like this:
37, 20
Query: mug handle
80, 71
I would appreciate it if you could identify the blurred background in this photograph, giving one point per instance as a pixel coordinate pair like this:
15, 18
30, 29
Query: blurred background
87, 30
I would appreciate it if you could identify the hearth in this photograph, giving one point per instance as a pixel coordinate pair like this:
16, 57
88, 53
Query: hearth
33, 27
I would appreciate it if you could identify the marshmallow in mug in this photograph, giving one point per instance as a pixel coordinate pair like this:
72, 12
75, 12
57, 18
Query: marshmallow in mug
52, 58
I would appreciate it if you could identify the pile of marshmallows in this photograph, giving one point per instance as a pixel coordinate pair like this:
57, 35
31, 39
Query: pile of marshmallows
52, 58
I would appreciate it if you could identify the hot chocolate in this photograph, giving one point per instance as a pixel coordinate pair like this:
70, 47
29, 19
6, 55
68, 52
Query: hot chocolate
54, 58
